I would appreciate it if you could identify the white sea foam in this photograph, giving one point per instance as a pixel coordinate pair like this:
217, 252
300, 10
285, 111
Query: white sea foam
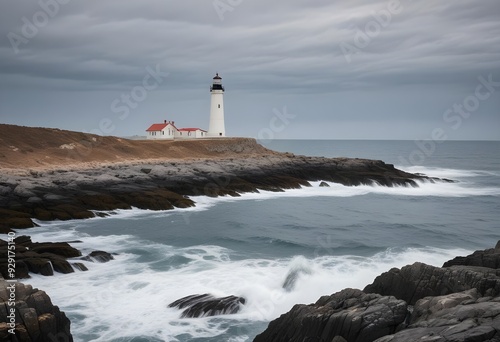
463, 187
447, 173
128, 297
459, 188
425, 188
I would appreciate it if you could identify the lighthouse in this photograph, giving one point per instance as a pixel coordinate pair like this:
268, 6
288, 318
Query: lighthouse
216, 127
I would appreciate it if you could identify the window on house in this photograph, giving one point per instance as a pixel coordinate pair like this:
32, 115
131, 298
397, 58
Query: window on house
219, 106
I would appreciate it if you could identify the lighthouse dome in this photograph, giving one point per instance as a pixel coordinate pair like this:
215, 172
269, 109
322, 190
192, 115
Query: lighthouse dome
217, 83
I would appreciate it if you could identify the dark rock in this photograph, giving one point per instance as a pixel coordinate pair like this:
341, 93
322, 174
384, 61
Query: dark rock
487, 258
208, 305
44, 258
349, 314
324, 185
19, 222
417, 281
59, 263
22, 270
79, 266
99, 256
5, 229
58, 248
37, 319
39, 266
463, 316
22, 240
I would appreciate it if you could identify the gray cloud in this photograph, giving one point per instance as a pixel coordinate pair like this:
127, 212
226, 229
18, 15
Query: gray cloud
285, 53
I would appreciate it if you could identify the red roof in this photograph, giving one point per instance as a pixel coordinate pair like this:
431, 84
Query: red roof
191, 129
159, 127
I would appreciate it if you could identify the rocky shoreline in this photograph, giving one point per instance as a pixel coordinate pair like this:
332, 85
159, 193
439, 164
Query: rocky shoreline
51, 174
457, 302
79, 193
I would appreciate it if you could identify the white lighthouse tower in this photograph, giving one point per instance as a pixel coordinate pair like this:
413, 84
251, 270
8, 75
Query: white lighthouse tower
216, 127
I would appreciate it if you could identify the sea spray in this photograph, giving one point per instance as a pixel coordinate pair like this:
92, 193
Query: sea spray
102, 298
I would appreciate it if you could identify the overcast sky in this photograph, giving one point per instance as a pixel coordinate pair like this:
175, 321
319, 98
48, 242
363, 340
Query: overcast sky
357, 69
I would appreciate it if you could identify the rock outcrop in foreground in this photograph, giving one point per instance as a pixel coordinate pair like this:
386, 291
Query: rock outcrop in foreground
34, 317
351, 314
416, 303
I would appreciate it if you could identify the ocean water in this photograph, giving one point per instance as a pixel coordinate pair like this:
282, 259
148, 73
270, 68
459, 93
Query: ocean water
332, 238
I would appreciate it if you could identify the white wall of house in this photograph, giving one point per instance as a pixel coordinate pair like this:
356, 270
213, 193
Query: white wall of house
181, 134
166, 133
200, 134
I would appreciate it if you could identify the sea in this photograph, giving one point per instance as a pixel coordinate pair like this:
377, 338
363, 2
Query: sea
326, 238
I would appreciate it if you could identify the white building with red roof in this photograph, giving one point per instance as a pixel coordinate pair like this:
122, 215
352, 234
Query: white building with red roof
190, 133
167, 129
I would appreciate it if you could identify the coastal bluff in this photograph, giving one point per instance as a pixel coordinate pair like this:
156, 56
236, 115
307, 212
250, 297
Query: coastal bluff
50, 174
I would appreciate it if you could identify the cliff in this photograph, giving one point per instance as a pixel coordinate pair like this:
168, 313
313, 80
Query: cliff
42, 148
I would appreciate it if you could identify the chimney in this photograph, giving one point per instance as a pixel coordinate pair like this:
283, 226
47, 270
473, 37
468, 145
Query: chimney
164, 121
173, 123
